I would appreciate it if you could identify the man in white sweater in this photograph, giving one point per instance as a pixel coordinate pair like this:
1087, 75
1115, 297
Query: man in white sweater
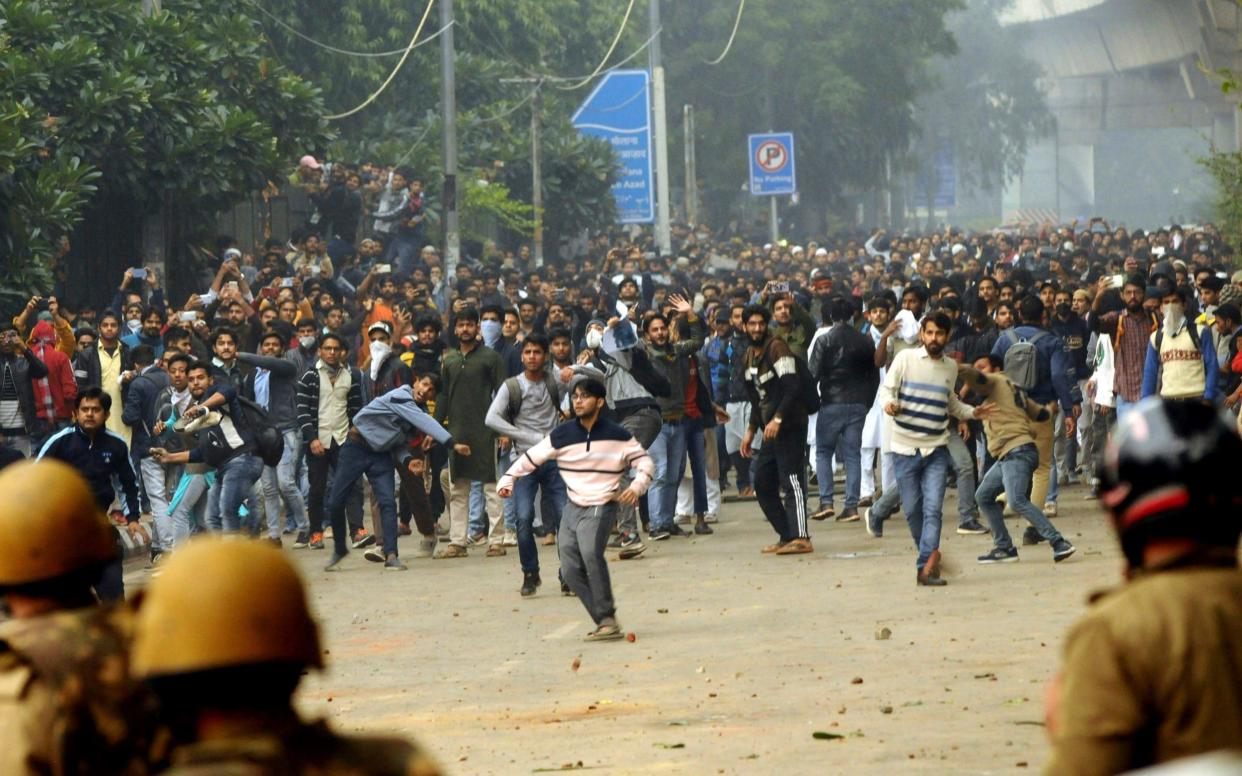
918, 395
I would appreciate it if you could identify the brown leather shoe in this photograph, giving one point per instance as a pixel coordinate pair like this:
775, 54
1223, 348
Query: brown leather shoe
772, 548
796, 547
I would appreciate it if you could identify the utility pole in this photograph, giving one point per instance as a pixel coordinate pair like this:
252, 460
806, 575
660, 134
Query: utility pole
664, 238
536, 171
448, 112
536, 159
692, 177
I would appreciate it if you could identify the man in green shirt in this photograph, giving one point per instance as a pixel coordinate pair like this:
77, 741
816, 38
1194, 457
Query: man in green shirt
469, 375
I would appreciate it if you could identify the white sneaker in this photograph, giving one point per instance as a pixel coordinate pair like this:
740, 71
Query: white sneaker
510, 539
710, 518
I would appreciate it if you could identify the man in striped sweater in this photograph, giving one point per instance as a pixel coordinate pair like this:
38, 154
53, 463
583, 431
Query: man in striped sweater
918, 396
592, 454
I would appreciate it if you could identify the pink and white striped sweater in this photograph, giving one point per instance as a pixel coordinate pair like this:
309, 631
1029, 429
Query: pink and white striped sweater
591, 462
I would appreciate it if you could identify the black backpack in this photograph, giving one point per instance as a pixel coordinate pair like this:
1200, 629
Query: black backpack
269, 443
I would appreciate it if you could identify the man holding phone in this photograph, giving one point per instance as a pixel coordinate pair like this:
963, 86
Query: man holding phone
19, 368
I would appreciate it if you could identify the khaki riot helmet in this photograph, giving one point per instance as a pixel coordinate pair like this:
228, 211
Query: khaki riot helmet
50, 524
224, 604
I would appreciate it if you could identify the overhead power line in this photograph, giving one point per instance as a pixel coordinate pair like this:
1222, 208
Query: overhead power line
741, 6
346, 52
375, 95
620, 64
616, 39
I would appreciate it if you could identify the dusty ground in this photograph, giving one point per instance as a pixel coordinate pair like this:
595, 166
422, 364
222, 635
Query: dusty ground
739, 658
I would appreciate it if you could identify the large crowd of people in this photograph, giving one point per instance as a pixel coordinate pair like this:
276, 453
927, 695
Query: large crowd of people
610, 398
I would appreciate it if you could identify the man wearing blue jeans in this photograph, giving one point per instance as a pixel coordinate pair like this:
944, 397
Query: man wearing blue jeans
273, 385
919, 399
672, 361
379, 438
225, 443
842, 360
525, 409
1011, 441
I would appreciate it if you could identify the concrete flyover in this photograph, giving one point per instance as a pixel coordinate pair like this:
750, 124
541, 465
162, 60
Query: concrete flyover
1126, 77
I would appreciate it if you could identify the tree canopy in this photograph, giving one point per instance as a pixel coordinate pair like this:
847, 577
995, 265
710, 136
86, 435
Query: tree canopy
103, 104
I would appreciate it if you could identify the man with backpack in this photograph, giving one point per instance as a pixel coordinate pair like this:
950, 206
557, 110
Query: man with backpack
1038, 362
1181, 356
525, 409
774, 382
225, 443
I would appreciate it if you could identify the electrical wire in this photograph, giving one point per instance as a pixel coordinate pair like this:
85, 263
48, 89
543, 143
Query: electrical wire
620, 64
508, 112
346, 52
414, 147
616, 39
375, 95
741, 6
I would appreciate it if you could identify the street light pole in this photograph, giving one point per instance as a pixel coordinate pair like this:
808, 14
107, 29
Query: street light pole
536, 168
664, 237
448, 112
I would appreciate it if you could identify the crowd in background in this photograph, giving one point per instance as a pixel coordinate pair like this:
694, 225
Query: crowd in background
737, 364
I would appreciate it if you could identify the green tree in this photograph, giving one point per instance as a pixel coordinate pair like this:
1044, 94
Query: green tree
495, 40
842, 75
184, 108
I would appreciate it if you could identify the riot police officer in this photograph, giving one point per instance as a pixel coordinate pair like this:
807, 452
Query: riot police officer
1153, 672
67, 702
222, 638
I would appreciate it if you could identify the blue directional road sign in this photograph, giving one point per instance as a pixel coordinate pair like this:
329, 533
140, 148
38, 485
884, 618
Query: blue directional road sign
619, 111
772, 169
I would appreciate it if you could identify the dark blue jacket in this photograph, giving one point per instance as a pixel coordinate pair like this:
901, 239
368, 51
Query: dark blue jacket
98, 461
139, 410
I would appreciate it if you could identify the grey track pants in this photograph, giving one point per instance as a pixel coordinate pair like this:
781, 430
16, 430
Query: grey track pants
581, 542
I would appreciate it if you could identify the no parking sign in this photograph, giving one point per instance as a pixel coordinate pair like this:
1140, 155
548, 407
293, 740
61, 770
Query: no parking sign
772, 168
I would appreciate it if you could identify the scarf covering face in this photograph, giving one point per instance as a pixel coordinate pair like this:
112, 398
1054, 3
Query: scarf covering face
379, 351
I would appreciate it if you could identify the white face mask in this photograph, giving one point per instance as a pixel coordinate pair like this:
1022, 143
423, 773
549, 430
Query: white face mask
133, 326
379, 351
1174, 317
594, 338
307, 341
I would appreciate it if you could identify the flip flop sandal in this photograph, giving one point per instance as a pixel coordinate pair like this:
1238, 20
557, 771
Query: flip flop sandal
605, 633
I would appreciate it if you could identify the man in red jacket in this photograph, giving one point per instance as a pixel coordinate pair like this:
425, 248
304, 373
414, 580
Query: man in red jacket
54, 395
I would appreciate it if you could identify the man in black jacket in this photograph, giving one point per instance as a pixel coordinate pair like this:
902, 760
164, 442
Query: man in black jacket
272, 384
18, 369
843, 362
139, 414
776, 407
100, 455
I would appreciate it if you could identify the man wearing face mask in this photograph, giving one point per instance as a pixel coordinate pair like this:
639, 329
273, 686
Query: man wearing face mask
303, 356
470, 374
1181, 359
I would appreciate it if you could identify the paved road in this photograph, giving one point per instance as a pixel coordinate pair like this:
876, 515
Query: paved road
739, 658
